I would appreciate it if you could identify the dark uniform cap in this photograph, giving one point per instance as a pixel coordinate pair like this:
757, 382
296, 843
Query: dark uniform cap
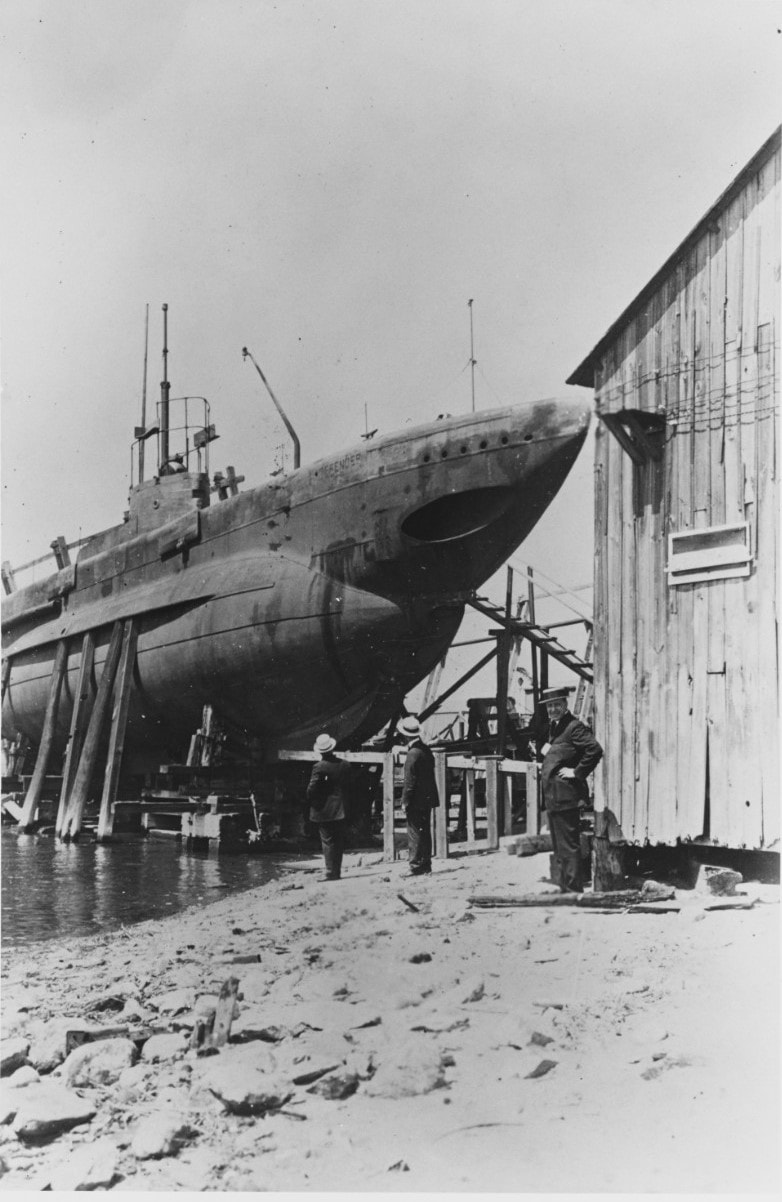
559, 694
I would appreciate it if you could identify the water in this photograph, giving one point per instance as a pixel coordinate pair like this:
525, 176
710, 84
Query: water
56, 890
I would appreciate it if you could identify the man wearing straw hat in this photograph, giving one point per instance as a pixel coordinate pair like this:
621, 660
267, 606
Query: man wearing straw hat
329, 796
419, 797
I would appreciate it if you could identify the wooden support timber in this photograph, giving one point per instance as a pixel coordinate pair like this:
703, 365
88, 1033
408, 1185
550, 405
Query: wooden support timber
33, 795
6, 675
79, 719
617, 900
119, 719
435, 705
389, 850
89, 752
492, 763
440, 815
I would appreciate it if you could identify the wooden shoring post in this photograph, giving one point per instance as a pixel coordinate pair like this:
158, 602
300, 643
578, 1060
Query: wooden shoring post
469, 791
492, 764
78, 725
533, 813
6, 675
86, 765
119, 719
388, 740
533, 651
35, 788
504, 642
534, 663
462, 679
506, 803
389, 848
440, 815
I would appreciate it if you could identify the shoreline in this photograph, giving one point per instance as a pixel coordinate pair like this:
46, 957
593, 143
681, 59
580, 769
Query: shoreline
445, 1047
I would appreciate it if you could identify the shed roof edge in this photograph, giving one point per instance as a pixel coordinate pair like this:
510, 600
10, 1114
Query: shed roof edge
584, 373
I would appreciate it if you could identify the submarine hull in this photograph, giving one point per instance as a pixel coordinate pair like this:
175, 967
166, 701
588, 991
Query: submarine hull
317, 601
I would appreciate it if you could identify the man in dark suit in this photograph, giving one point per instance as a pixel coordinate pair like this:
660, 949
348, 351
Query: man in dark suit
329, 796
419, 797
570, 754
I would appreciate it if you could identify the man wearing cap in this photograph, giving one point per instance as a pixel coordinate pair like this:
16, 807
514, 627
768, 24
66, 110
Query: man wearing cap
419, 797
329, 796
570, 754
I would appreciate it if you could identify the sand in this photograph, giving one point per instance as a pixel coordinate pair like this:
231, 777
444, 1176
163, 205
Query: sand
467, 1049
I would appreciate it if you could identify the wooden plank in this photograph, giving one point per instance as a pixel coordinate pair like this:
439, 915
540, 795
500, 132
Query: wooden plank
743, 694
663, 789
440, 815
716, 702
740, 759
79, 719
6, 676
532, 826
680, 660
505, 785
492, 801
695, 798
83, 776
612, 633
618, 898
389, 847
648, 586
119, 719
353, 757
602, 635
627, 601
469, 797
33, 795
768, 508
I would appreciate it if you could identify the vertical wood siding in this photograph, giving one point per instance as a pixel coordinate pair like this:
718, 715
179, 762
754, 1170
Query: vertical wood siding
686, 690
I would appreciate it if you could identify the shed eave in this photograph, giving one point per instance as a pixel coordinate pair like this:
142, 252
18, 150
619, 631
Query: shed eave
584, 375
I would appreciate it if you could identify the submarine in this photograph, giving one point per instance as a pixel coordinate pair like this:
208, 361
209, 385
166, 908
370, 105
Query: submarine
314, 601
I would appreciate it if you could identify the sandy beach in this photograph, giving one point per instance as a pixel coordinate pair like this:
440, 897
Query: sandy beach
382, 1046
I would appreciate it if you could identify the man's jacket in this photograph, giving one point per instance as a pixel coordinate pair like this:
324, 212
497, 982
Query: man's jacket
329, 790
419, 790
572, 745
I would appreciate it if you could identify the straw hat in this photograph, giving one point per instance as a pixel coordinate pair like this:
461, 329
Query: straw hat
324, 743
409, 728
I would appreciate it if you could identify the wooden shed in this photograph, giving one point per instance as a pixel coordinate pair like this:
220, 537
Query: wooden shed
686, 385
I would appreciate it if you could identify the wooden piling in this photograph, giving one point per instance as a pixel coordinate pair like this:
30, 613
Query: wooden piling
35, 788
469, 791
89, 751
389, 849
79, 719
533, 808
119, 720
440, 816
492, 764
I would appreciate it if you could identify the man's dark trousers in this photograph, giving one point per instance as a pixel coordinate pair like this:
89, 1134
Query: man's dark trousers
565, 828
332, 840
419, 838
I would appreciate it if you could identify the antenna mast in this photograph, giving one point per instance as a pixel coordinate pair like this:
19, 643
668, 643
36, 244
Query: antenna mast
294, 436
144, 399
165, 389
472, 356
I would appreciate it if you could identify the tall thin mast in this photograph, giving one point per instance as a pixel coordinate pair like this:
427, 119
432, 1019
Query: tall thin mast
165, 389
472, 356
144, 399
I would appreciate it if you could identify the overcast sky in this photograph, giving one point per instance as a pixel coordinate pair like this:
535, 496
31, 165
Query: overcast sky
329, 182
